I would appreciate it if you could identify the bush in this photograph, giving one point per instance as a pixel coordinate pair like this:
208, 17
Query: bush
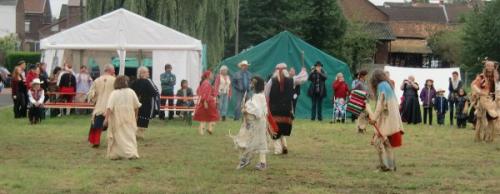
12, 58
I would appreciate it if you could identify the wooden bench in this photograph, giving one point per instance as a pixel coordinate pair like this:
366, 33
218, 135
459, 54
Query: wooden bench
187, 111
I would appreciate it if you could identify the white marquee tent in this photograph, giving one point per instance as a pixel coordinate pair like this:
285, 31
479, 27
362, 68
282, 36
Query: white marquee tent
122, 31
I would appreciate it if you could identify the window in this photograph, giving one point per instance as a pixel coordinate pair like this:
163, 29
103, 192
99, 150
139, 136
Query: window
27, 25
54, 28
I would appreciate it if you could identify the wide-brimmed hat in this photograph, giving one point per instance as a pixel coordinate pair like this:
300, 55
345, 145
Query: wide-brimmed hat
318, 63
429, 80
36, 81
441, 90
244, 62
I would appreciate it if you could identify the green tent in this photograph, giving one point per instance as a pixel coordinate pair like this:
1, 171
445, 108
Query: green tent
286, 47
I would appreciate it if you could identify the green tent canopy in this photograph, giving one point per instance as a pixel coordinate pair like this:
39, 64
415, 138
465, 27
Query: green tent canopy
132, 62
286, 47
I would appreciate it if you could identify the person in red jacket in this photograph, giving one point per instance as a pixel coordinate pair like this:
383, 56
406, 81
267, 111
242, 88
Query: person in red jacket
340, 93
33, 73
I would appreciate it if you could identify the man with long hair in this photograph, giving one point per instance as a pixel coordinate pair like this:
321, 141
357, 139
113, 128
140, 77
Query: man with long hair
280, 94
483, 87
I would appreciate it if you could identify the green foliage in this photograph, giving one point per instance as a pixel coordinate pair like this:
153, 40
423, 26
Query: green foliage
212, 21
13, 58
357, 47
8, 43
481, 32
448, 45
319, 22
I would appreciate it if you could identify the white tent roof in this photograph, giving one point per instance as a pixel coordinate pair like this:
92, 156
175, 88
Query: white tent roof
124, 30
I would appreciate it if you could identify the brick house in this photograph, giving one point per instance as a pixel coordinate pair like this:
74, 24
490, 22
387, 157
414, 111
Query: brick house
376, 22
403, 28
12, 16
69, 16
37, 14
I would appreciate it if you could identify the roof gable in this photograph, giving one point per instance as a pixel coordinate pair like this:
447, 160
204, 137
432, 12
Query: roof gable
35, 6
120, 29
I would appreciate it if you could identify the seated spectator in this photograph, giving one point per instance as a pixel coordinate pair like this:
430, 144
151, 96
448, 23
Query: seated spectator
185, 91
36, 97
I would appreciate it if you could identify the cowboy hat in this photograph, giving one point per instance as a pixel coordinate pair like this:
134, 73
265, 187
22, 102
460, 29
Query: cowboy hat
36, 81
318, 63
440, 90
244, 62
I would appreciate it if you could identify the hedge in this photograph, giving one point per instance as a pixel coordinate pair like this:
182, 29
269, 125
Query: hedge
12, 58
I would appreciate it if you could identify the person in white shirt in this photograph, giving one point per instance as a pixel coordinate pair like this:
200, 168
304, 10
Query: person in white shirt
36, 97
223, 86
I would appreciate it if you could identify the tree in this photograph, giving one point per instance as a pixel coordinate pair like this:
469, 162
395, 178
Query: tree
212, 21
481, 32
325, 24
357, 47
448, 46
8, 43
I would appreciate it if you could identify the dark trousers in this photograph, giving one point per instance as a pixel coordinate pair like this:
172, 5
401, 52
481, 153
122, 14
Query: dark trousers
20, 105
170, 103
462, 123
428, 112
35, 114
317, 103
440, 118
452, 111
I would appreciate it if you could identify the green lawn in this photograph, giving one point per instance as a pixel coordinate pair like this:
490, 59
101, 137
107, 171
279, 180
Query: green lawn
54, 157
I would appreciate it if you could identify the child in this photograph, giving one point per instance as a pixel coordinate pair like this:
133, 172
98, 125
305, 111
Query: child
427, 96
36, 98
340, 109
253, 137
441, 106
185, 91
462, 106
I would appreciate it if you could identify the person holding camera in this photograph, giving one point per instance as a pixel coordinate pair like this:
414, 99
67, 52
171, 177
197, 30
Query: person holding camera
317, 90
453, 88
411, 107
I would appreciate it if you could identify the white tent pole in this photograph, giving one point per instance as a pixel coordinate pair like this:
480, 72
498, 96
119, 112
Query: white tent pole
122, 54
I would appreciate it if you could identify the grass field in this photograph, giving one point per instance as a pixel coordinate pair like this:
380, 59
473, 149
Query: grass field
54, 157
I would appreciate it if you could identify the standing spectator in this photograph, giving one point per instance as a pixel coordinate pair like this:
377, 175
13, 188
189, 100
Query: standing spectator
462, 108
317, 90
223, 86
241, 85
52, 88
121, 113
411, 107
19, 93
340, 93
386, 118
453, 88
36, 99
67, 85
83, 84
99, 95
206, 110
33, 73
149, 97
441, 105
427, 96
2, 85
167, 80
